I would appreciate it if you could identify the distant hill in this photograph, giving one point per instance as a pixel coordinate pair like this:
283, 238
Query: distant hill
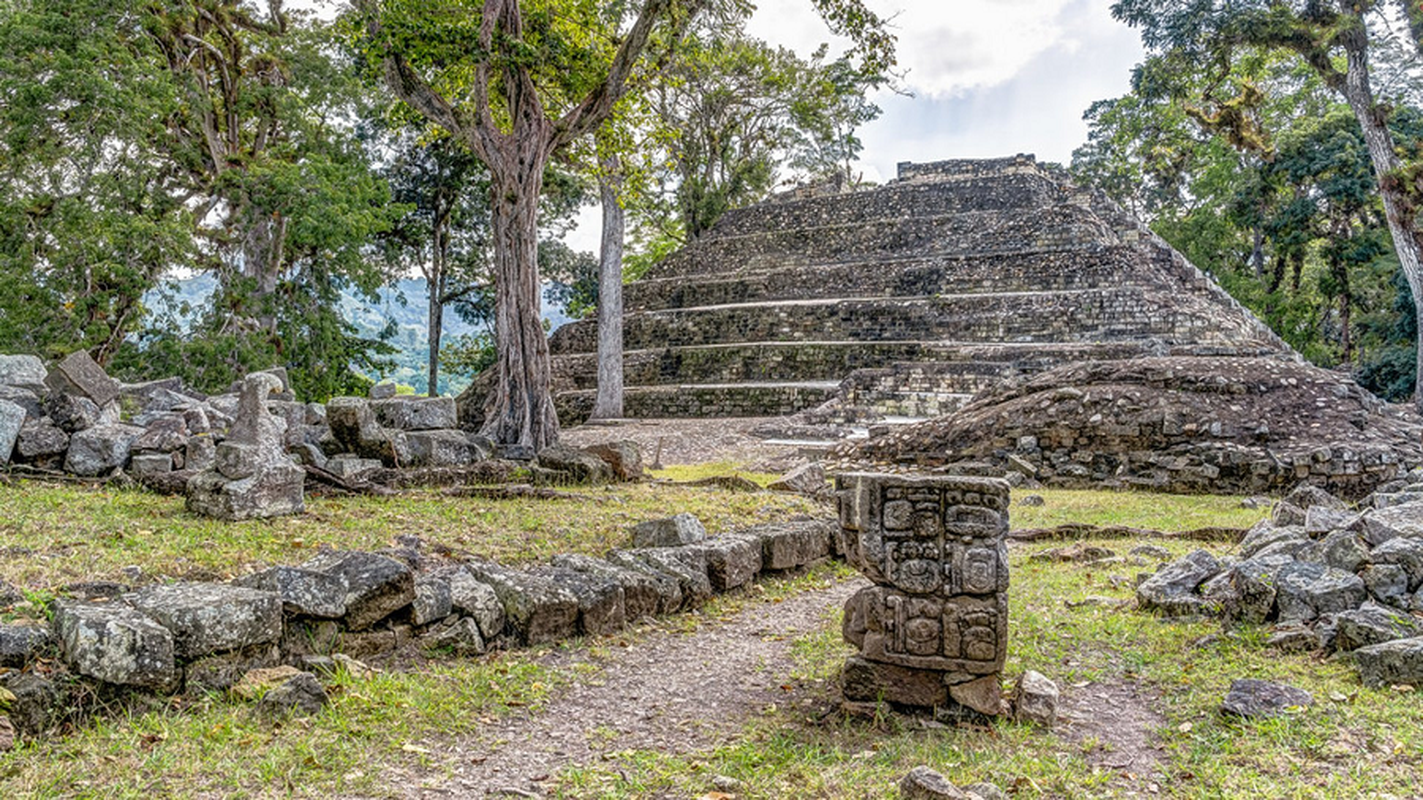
403, 302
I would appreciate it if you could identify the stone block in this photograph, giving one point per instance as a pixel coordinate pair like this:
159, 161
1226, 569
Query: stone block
207, 618
218, 673
1172, 589
791, 545
303, 592
350, 468
1341, 549
959, 633
19, 644
411, 413
460, 636
1035, 699
687, 564
1371, 624
1305, 591
38, 702
99, 450
354, 426
1395, 663
40, 442
146, 465
24, 371
645, 592
376, 586
733, 560
671, 531
863, 680
277, 491
477, 599
578, 465
601, 607
537, 609
624, 458
24, 398
116, 644
79, 374
445, 448
432, 601
12, 419
1256, 699
1403, 552
1399, 521
923, 783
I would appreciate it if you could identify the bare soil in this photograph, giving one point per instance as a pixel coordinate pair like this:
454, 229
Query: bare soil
690, 441
1119, 719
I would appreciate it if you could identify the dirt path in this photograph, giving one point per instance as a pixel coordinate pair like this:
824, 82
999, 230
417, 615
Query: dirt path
671, 691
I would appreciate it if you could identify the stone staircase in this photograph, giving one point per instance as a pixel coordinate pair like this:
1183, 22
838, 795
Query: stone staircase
903, 300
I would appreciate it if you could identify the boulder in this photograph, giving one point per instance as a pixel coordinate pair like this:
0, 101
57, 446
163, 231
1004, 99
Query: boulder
24, 398
303, 591
1255, 699
432, 600
1305, 591
1370, 624
12, 419
1172, 589
20, 644
207, 618
354, 426
23, 371
460, 636
79, 374
580, 466
601, 608
789, 545
446, 448
865, 681
101, 449
643, 594
1404, 520
1319, 520
411, 413
1403, 552
537, 609
624, 459
1387, 583
1035, 699
1399, 662
672, 531
1341, 550
1254, 582
40, 442
732, 560
115, 644
477, 599
73, 413
1306, 497
981, 694
807, 479
922, 783
376, 586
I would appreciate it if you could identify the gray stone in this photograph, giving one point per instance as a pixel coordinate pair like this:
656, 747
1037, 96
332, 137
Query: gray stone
477, 599
1341, 550
1395, 663
303, 591
460, 636
1287, 548
19, 644
376, 586
923, 783
580, 466
1031, 501
300, 695
201, 453
146, 465
1256, 699
350, 467
1254, 582
688, 564
293, 415
1372, 623
218, 673
73, 413
1386, 582
12, 418
382, 391
38, 702
1264, 534
1294, 638
1382, 524
24, 398
984, 791
537, 609
733, 560
26, 371
807, 479
865, 681
1035, 699
1172, 589
1306, 497
253, 475
645, 592
789, 545
1305, 591
601, 607
355, 428
411, 413
99, 450
1287, 514
624, 459
673, 531
432, 601
1319, 520
40, 442
1155, 552
1406, 553
207, 618
446, 448
79, 374
115, 644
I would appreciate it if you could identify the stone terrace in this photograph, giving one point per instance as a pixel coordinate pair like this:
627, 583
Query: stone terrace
905, 299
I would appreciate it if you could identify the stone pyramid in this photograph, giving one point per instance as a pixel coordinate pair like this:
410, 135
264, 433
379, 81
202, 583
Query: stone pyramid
904, 299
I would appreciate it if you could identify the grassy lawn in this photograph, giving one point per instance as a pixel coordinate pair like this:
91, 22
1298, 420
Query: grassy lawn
1353, 742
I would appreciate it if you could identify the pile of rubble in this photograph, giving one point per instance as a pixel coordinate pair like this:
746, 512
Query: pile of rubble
342, 605
1327, 576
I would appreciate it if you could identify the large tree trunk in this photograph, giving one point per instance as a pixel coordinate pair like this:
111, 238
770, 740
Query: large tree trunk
609, 401
519, 413
435, 286
263, 241
1401, 221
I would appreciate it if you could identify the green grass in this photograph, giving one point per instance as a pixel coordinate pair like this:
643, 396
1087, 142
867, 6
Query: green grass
1160, 512
712, 469
62, 534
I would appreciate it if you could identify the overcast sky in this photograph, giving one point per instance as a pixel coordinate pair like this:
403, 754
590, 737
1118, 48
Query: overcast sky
989, 78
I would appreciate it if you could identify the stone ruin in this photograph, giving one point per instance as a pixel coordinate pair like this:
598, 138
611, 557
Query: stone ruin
252, 475
933, 629
906, 299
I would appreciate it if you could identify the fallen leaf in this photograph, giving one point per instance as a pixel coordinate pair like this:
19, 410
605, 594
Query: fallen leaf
415, 748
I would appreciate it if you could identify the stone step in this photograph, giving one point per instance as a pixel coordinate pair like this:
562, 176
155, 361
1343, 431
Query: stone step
1126, 313
758, 399
1007, 192
1045, 270
973, 233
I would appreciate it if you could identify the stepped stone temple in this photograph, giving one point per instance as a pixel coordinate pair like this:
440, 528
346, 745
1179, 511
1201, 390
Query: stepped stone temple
906, 299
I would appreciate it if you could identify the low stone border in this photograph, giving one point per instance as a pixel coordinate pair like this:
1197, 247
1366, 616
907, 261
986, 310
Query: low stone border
191, 638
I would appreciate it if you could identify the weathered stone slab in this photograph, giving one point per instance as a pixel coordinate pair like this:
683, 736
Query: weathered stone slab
98, 450
1371, 624
671, 531
460, 636
79, 374
446, 448
1035, 699
580, 466
624, 458
1399, 662
791, 545
537, 609
601, 608
303, 591
74, 413
24, 398
477, 599
688, 564
377, 586
1305, 591
1172, 589
25, 371
807, 479
1342, 550
12, 419
39, 442
645, 592
1404, 552
115, 644
733, 560
1404, 520
350, 467
209, 618
864, 680
21, 643
432, 600
410, 413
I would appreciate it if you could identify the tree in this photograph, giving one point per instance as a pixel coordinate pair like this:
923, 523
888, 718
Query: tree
517, 82
1325, 35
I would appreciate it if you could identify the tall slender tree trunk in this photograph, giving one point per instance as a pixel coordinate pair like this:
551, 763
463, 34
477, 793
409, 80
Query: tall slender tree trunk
263, 241
435, 324
609, 401
519, 413
1401, 221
